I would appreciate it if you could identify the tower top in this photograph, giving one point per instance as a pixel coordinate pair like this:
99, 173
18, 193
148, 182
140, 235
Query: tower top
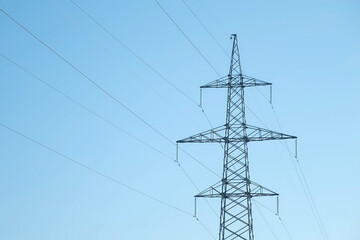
235, 66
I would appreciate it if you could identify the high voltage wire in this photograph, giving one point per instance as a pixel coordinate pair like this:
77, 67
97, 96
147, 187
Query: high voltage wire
187, 38
206, 29
213, 17
108, 122
152, 68
187, 175
105, 91
86, 108
115, 126
266, 222
275, 213
301, 176
131, 51
134, 53
97, 172
291, 156
72, 20
311, 202
301, 180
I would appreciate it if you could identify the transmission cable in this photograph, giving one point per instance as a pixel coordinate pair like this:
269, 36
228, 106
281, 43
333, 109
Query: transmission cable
307, 191
152, 68
206, 29
86, 108
111, 123
108, 122
133, 52
213, 17
106, 92
136, 76
299, 173
266, 222
187, 38
97, 172
115, 126
276, 214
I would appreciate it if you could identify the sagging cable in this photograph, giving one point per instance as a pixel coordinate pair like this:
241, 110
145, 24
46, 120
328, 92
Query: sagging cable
195, 216
177, 153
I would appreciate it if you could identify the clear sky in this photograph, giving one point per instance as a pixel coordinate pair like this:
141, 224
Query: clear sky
309, 50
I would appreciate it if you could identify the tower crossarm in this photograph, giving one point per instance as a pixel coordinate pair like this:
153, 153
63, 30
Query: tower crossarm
262, 134
236, 190
253, 134
212, 135
236, 81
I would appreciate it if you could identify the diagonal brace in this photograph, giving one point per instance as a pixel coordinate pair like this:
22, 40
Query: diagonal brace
235, 81
253, 134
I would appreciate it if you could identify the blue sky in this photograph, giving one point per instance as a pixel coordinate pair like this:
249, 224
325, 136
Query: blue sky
309, 50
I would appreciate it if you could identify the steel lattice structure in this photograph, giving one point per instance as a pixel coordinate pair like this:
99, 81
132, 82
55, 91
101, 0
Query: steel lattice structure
235, 188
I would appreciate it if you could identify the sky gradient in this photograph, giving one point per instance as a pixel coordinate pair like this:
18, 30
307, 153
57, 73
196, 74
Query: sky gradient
309, 50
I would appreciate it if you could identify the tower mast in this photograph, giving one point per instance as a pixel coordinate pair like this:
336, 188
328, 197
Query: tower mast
235, 189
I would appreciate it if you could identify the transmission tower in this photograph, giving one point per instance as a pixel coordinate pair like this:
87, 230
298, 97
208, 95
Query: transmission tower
235, 189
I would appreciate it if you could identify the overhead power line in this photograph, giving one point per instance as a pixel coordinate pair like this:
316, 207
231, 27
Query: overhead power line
86, 108
133, 53
186, 174
152, 68
97, 172
276, 214
206, 29
187, 38
124, 65
105, 91
108, 177
266, 222
299, 173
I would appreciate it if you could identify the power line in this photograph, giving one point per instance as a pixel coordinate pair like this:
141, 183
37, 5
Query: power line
136, 76
266, 222
142, 60
301, 180
276, 214
106, 121
301, 176
309, 196
214, 18
208, 231
187, 38
97, 172
285, 228
85, 108
114, 125
134, 53
105, 91
206, 29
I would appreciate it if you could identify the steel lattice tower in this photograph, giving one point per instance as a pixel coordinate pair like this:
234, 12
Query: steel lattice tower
235, 188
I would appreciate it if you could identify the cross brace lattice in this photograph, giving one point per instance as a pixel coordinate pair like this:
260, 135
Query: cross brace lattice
235, 189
